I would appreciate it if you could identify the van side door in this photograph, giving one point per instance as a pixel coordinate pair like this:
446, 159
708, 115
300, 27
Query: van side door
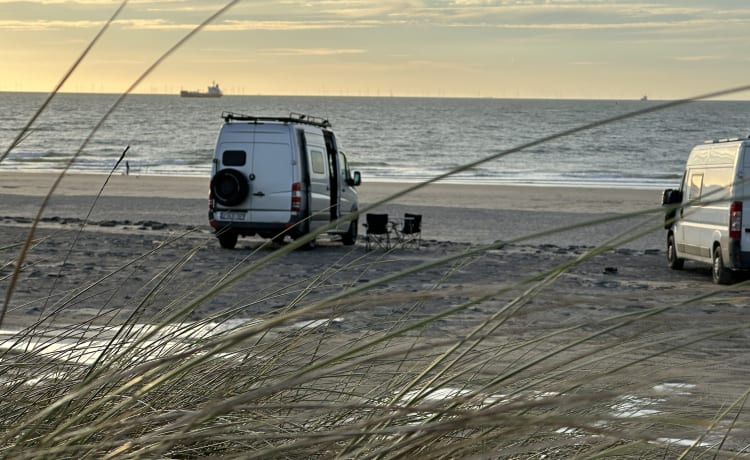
347, 194
688, 229
706, 215
319, 181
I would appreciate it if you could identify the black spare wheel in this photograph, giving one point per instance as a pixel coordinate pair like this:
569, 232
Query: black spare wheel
229, 187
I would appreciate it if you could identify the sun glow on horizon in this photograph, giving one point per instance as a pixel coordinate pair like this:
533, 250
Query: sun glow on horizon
514, 49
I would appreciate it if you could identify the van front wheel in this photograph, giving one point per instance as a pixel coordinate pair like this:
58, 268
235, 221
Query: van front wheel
721, 274
674, 262
350, 237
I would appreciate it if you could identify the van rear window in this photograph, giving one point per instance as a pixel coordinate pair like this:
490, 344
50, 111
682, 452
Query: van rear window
234, 158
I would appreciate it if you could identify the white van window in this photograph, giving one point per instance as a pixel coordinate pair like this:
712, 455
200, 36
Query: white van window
343, 168
234, 158
696, 185
318, 163
716, 184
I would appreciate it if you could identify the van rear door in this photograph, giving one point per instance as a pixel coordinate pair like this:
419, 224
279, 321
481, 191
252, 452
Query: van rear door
271, 178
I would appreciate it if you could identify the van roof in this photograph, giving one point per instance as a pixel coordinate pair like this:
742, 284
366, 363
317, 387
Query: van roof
298, 118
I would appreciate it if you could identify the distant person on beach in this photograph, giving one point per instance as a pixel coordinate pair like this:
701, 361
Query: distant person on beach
127, 168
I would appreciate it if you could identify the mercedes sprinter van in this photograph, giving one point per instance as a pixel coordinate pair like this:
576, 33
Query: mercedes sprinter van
279, 176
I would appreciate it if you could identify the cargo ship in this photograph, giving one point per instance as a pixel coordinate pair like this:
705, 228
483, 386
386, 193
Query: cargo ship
213, 91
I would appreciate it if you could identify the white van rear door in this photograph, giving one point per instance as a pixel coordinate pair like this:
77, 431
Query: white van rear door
271, 178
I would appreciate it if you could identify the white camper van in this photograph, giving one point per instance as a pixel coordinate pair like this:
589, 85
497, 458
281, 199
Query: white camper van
279, 176
705, 221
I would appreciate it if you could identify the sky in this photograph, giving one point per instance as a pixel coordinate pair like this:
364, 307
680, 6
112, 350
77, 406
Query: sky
583, 49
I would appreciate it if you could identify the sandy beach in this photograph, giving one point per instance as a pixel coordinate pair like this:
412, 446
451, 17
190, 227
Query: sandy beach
456, 213
137, 214
168, 215
147, 250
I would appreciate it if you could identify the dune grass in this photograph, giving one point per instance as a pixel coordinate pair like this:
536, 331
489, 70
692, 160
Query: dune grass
162, 379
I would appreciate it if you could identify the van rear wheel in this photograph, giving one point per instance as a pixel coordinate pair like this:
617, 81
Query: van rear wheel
674, 262
227, 239
720, 273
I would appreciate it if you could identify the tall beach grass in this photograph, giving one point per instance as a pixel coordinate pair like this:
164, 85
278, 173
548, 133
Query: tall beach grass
491, 373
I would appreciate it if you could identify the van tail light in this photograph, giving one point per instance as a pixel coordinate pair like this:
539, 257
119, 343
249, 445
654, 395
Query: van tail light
296, 198
735, 220
210, 200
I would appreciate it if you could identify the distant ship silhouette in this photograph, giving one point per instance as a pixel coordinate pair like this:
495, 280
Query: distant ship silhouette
213, 91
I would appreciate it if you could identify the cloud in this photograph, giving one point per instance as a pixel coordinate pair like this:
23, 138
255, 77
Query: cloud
311, 51
297, 15
41, 25
240, 25
696, 58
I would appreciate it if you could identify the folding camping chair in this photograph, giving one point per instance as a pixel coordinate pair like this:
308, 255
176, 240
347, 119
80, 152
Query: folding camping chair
378, 231
411, 230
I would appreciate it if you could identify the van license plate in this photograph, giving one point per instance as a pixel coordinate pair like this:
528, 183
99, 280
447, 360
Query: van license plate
232, 215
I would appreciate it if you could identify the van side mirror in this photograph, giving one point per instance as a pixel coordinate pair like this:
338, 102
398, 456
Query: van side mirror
356, 180
671, 196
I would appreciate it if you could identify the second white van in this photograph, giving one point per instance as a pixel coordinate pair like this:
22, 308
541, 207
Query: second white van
705, 221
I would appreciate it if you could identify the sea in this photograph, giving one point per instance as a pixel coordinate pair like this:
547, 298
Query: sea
385, 138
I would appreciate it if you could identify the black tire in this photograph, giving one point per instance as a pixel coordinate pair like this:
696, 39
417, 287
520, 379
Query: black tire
721, 274
229, 187
350, 237
227, 239
673, 262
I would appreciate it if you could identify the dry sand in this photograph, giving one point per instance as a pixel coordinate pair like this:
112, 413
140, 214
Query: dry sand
456, 213
135, 249
136, 215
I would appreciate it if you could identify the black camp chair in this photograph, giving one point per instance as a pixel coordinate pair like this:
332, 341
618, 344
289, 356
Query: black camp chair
378, 231
411, 230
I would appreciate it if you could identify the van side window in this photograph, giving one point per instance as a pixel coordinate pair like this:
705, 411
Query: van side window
318, 163
716, 182
696, 186
343, 167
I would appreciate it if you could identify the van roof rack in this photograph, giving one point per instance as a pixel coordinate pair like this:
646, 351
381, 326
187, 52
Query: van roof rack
292, 118
723, 139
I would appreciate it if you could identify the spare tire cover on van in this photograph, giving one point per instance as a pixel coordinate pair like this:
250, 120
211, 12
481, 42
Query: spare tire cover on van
229, 187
